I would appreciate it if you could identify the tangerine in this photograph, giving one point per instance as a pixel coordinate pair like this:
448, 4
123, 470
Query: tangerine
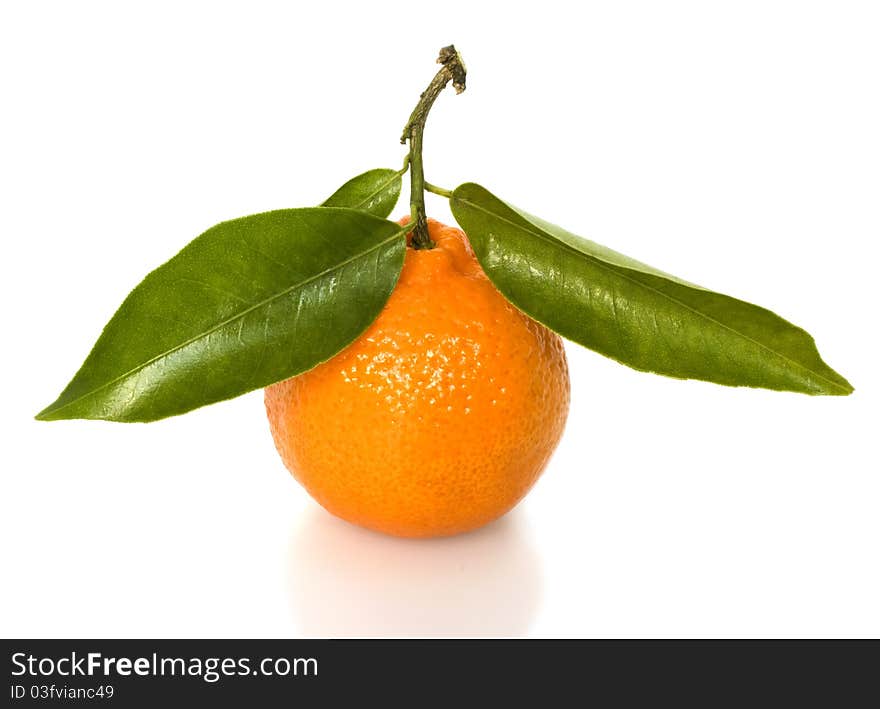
441, 416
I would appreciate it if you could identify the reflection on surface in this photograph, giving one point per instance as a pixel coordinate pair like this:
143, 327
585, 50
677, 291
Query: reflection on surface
347, 581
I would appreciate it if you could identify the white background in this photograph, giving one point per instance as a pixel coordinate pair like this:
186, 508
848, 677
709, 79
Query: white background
734, 144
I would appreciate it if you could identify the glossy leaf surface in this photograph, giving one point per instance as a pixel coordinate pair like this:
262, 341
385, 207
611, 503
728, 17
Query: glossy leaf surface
633, 313
250, 302
374, 191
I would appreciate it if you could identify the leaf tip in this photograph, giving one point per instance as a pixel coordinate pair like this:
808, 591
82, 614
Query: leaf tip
53, 412
837, 384
45, 415
832, 384
844, 388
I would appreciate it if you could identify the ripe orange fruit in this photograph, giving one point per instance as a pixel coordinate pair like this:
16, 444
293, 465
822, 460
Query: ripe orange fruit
440, 417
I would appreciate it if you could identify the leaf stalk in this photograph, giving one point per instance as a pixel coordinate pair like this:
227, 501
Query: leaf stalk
434, 189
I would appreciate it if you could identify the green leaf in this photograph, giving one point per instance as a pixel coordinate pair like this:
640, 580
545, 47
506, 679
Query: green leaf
250, 302
633, 313
375, 191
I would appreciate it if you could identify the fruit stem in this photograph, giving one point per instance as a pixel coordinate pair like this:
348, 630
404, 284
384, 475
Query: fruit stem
453, 70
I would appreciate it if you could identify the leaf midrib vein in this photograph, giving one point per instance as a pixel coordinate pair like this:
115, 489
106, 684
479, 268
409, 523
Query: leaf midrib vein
382, 187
